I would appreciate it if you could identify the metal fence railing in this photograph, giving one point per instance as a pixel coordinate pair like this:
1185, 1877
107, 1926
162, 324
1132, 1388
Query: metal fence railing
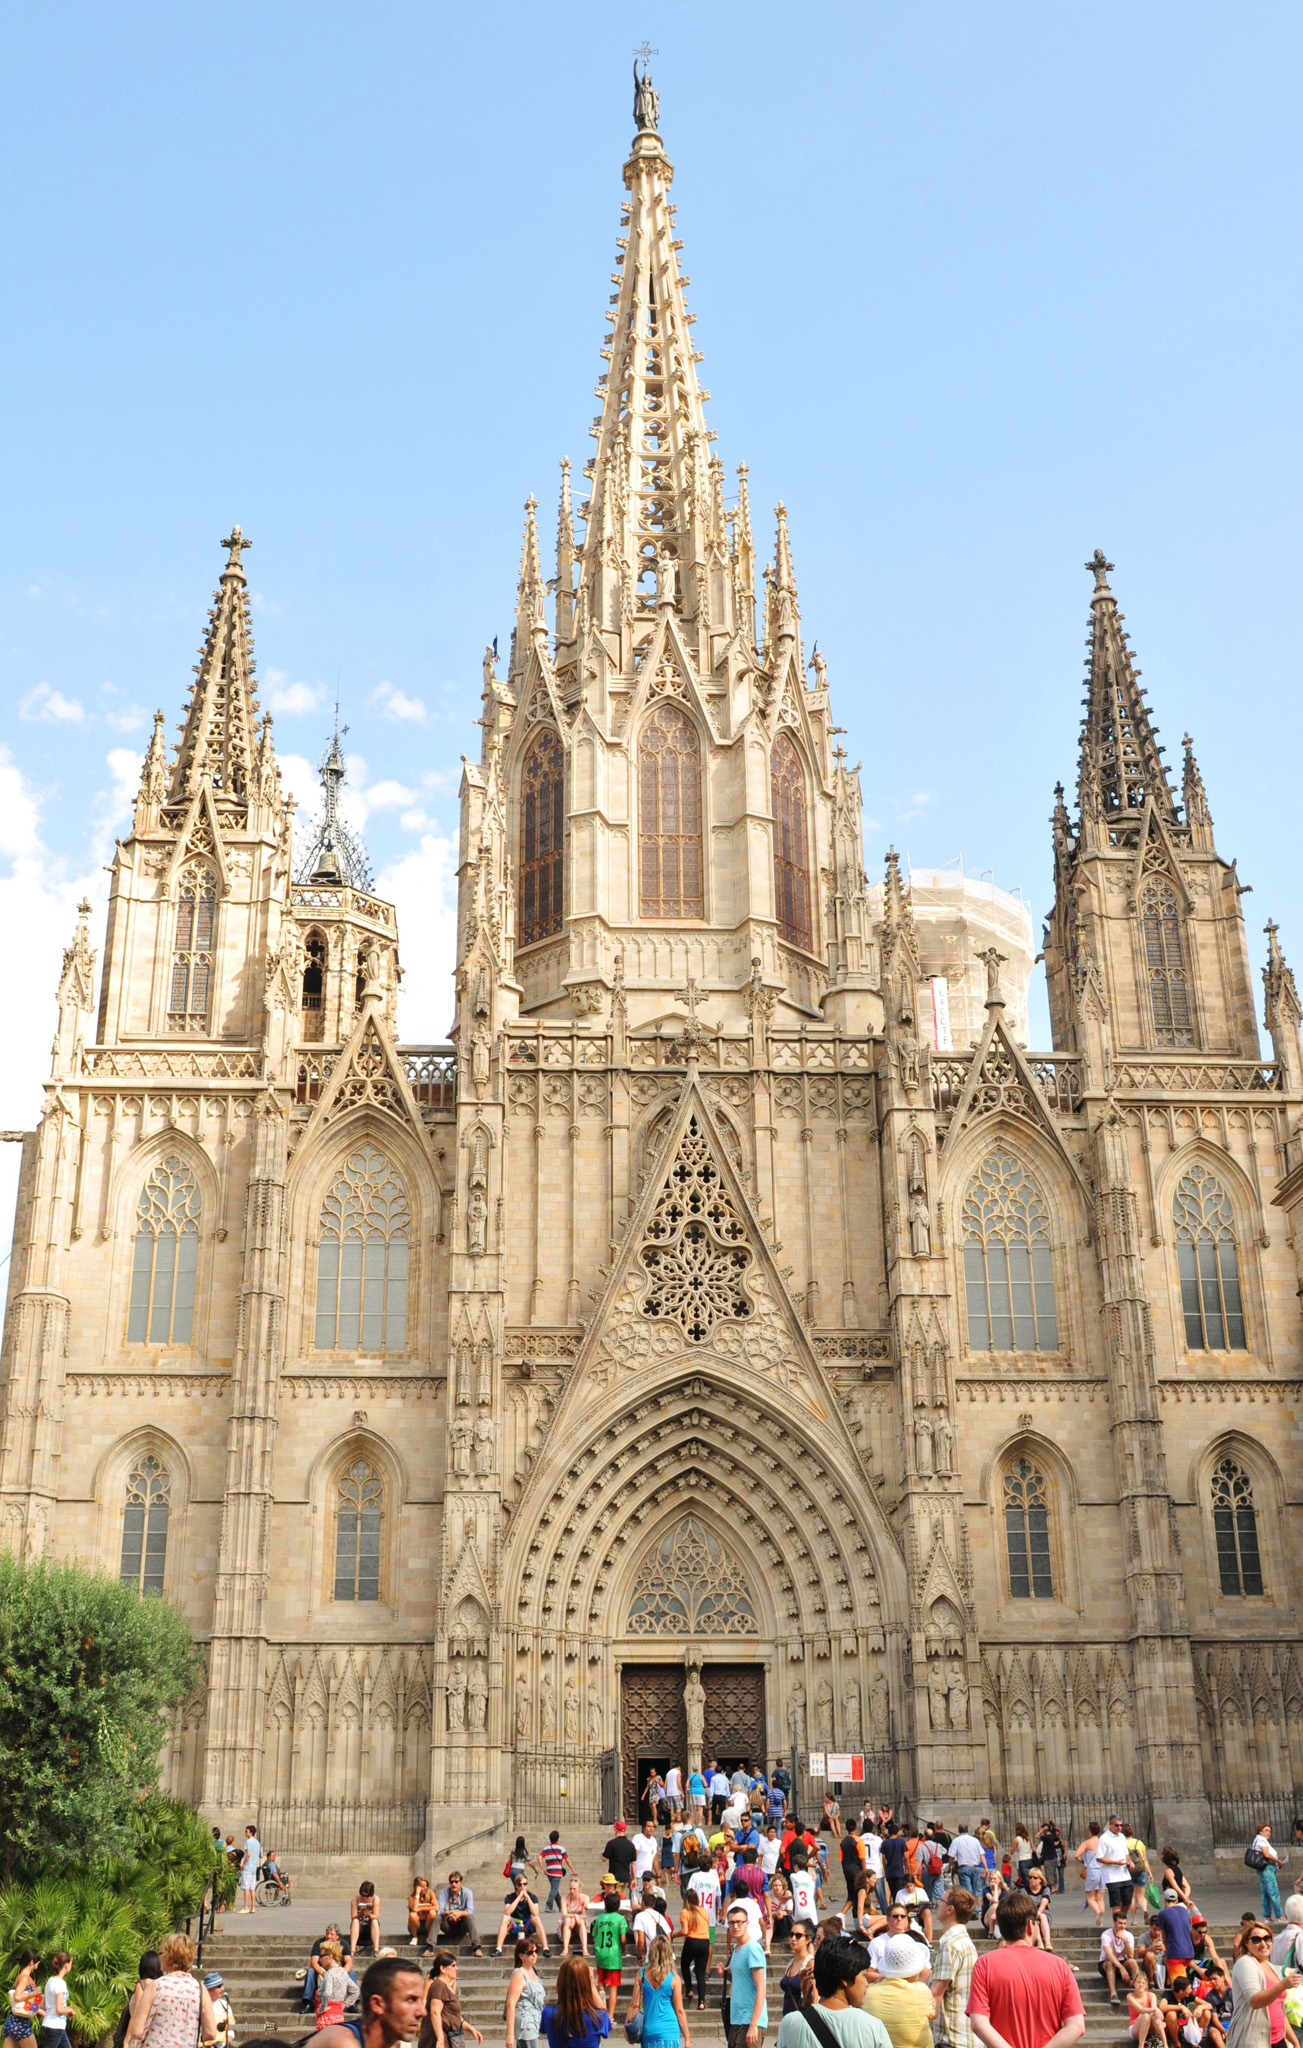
1236, 1821
339, 1827
549, 1788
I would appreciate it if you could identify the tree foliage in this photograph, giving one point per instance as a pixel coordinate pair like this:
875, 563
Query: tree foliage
88, 1672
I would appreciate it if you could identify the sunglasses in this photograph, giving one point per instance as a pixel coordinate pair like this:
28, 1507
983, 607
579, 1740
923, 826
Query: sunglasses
1258, 1938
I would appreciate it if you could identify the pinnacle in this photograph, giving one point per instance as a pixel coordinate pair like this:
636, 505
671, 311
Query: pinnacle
1121, 764
217, 735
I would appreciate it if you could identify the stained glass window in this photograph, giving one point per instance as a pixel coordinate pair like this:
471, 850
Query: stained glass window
362, 1258
542, 837
164, 1257
312, 1004
144, 1525
689, 1584
1235, 1527
1207, 1264
1008, 1264
669, 825
1027, 1533
791, 844
359, 1507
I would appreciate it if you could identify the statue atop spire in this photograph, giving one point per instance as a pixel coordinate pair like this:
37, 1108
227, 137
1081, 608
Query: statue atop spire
646, 99
334, 855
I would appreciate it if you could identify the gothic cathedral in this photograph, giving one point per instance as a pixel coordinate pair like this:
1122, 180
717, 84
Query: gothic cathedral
701, 1338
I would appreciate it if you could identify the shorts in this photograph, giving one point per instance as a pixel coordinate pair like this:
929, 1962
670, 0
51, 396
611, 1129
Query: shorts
248, 1880
1120, 1894
609, 1979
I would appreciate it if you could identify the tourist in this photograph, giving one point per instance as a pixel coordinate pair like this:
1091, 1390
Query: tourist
1178, 1939
365, 1919
894, 1868
553, 1863
806, 1894
705, 1887
1037, 1889
658, 1996
781, 1781
1205, 1948
457, 1913
994, 1888
653, 1795
1020, 1996
610, 1931
332, 1983
223, 2011
314, 1961
525, 1997
855, 1870
646, 1853
1138, 1870
990, 1847
695, 1931
620, 1856
914, 1897
697, 1794
24, 1999
671, 1836
55, 2009
1113, 1864
1144, 2018
1051, 1854
393, 1992
250, 1859
897, 1923
1117, 1956
1264, 1857
445, 2022
577, 2017
421, 1909
970, 1864
780, 1906
272, 1872
1254, 1988
746, 2014
953, 1969
1287, 1948
898, 1995
841, 1978
797, 1981
521, 1913
574, 1917
173, 2009
518, 1862
1174, 1876
717, 1787
1020, 1855
674, 1791
148, 1971
1086, 1855
649, 1923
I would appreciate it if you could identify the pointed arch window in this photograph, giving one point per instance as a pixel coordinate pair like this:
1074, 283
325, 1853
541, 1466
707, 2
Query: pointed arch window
190, 987
1027, 1532
312, 1002
359, 1517
791, 844
164, 1256
1235, 1528
145, 1512
688, 1584
362, 1258
1008, 1263
669, 805
1207, 1263
542, 836
1169, 987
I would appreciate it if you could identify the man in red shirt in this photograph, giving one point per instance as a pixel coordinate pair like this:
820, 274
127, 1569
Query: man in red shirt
1021, 1996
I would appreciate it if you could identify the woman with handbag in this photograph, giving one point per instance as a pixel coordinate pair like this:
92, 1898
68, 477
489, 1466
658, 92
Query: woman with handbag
526, 1997
656, 2016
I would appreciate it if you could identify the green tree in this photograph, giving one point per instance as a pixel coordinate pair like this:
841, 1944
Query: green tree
88, 1672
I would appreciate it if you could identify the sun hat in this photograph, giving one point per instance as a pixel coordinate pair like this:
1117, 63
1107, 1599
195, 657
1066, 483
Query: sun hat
902, 1956
212, 1982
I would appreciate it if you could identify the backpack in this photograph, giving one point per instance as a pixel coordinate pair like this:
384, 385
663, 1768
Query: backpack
935, 1864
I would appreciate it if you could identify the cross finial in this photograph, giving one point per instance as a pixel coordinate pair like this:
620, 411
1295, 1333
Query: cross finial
236, 543
1100, 569
645, 50
693, 1031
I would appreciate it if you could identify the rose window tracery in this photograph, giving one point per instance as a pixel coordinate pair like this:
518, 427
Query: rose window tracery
695, 1252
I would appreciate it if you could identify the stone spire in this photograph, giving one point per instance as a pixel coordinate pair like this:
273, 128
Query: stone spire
1194, 799
152, 793
1283, 1010
651, 496
531, 590
565, 562
782, 612
334, 855
217, 736
1121, 761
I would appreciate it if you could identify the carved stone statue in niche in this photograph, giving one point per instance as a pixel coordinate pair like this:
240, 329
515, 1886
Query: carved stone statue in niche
943, 1437
851, 1732
958, 1698
570, 1712
881, 1712
481, 1046
923, 1446
483, 1447
477, 1220
937, 1696
460, 1436
547, 1708
477, 1697
920, 1227
522, 1709
456, 1697
694, 1714
823, 1713
594, 1713
796, 1715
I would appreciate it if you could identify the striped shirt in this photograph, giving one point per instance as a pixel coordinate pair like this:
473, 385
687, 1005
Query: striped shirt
553, 1859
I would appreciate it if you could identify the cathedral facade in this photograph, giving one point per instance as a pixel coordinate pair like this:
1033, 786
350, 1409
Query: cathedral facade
707, 1348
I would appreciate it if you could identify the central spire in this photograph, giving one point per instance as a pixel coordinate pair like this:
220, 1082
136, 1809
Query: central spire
217, 737
1121, 760
652, 513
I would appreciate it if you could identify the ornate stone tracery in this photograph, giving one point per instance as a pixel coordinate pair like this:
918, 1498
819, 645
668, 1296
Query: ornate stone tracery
689, 1584
695, 1250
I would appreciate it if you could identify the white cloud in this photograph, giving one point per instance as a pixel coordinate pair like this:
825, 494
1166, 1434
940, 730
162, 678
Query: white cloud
386, 796
131, 719
52, 706
262, 603
300, 780
422, 885
415, 820
291, 700
398, 705
20, 810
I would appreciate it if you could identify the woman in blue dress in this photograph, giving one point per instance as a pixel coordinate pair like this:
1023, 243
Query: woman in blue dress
658, 1995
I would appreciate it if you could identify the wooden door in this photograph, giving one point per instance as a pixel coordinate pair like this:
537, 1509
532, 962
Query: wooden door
735, 1713
652, 1727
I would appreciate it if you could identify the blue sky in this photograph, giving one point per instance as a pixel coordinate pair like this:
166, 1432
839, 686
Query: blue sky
978, 290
